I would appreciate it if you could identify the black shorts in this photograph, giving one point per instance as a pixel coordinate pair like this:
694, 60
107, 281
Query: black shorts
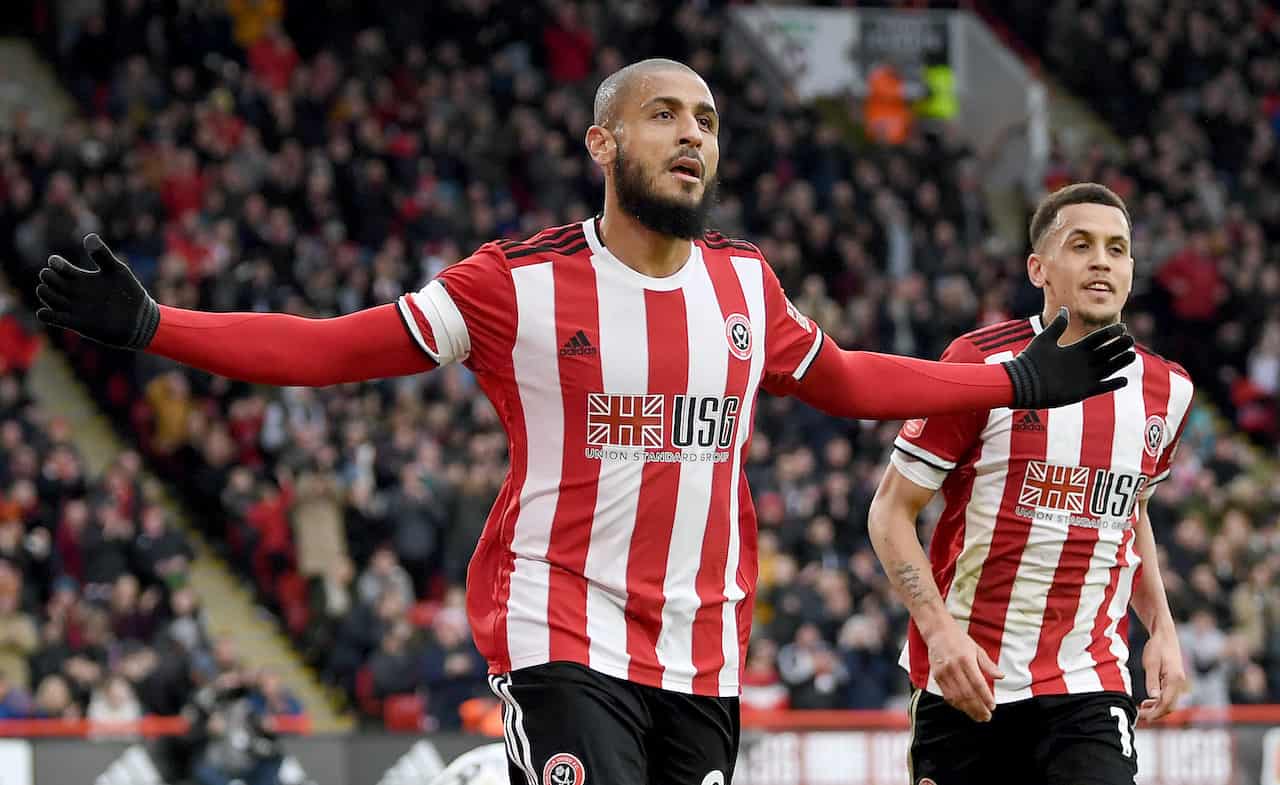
565, 724
1084, 739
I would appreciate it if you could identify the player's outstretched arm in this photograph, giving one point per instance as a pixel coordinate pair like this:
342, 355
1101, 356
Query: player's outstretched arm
111, 306
959, 665
867, 385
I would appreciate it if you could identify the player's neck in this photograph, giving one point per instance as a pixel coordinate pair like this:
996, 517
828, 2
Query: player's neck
639, 247
1076, 329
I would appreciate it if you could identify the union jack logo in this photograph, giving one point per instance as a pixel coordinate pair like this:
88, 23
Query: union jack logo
1055, 487
624, 420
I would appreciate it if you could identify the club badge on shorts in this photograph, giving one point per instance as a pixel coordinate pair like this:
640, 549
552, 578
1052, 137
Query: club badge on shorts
737, 330
564, 768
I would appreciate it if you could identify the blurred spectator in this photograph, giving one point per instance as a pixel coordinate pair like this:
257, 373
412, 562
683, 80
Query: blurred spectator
160, 551
18, 638
15, 702
240, 745
762, 688
133, 616
393, 665
451, 669
384, 574
811, 670
329, 599
317, 521
1205, 647
361, 634
54, 700
114, 701
272, 698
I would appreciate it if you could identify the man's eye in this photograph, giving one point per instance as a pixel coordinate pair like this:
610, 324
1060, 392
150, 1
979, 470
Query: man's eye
706, 122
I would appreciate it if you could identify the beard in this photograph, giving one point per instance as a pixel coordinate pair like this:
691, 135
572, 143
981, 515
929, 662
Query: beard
657, 213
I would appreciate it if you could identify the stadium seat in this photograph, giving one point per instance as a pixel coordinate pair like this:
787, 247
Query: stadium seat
366, 697
423, 613
403, 712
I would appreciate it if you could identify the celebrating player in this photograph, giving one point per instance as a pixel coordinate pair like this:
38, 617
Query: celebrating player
611, 590
1017, 641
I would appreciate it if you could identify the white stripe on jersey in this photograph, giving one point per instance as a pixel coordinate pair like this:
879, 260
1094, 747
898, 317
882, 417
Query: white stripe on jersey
624, 369
1119, 609
1024, 619
453, 342
1079, 670
708, 375
528, 638
803, 367
750, 277
1180, 392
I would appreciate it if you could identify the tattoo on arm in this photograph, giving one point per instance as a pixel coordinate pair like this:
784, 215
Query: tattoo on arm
909, 583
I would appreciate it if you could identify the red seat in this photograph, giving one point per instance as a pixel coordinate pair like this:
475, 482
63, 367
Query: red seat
296, 618
291, 589
366, 698
403, 712
423, 613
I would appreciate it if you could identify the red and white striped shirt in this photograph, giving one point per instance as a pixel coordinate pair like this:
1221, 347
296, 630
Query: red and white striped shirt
1034, 551
624, 537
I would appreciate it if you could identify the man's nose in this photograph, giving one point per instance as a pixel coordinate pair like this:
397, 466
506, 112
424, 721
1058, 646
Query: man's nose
690, 132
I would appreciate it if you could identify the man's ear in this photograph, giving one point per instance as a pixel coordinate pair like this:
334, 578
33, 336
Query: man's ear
1035, 270
602, 145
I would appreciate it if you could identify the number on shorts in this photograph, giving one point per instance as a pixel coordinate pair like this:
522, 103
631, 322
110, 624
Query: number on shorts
714, 777
1126, 736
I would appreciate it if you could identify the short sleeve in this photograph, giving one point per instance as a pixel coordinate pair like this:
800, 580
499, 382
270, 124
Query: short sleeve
926, 450
1180, 395
792, 340
465, 314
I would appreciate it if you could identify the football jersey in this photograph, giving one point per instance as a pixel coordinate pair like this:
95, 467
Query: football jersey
1034, 551
624, 537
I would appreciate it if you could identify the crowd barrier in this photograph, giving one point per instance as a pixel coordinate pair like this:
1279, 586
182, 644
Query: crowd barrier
1237, 745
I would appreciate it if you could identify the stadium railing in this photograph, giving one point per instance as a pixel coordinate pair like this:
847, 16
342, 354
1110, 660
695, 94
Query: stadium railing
150, 727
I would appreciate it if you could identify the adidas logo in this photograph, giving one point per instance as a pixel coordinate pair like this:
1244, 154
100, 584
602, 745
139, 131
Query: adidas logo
422, 763
133, 767
578, 346
1029, 421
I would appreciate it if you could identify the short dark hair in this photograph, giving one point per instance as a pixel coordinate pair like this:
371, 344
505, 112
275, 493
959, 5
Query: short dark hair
614, 85
1076, 193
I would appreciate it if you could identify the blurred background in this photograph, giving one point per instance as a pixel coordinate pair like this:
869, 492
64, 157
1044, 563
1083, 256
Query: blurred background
234, 562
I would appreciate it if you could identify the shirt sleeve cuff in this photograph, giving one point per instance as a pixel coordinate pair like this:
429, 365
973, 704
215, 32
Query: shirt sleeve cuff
918, 471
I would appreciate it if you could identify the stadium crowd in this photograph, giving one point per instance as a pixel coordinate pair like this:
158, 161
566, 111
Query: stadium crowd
98, 619
238, 166
1196, 95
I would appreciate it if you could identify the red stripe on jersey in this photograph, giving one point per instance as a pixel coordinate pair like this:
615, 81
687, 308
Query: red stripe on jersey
944, 551
423, 325
1096, 437
1008, 545
650, 547
487, 598
577, 308
1155, 399
708, 622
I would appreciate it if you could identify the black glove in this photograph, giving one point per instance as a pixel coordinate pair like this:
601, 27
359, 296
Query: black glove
1046, 375
107, 304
